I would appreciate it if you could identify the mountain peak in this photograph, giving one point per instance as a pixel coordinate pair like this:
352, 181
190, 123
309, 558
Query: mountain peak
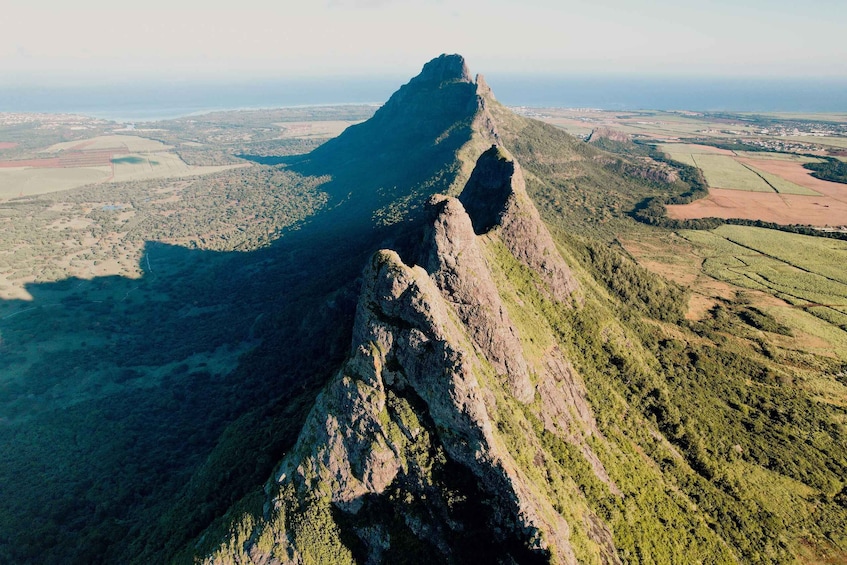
445, 68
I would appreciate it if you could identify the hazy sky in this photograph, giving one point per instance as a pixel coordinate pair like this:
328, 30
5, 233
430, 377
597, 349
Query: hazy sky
49, 40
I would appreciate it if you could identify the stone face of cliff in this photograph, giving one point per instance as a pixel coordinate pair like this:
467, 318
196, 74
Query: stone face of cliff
454, 259
496, 195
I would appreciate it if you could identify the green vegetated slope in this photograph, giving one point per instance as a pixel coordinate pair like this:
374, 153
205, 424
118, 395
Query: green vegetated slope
761, 454
742, 406
762, 446
580, 188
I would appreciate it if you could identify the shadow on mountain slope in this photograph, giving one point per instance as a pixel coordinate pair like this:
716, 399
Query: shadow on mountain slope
116, 390
134, 411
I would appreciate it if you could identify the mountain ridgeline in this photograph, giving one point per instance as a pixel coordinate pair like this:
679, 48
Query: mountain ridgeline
516, 390
444, 354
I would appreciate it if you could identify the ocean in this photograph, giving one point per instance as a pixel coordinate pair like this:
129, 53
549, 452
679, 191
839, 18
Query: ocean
164, 100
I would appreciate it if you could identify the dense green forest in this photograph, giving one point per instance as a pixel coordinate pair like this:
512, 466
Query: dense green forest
831, 169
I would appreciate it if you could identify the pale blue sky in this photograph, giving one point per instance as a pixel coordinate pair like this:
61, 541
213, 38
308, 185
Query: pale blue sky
48, 40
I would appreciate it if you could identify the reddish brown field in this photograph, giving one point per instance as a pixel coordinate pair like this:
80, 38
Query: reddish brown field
794, 172
37, 163
828, 209
7, 145
769, 207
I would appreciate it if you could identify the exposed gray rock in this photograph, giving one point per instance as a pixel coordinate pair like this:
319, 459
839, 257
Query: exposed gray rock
444, 68
495, 197
350, 446
452, 257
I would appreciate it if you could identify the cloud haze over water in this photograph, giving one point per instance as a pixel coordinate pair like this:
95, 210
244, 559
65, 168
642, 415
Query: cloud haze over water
106, 41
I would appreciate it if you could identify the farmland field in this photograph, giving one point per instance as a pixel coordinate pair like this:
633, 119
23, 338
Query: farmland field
776, 182
767, 155
126, 143
839, 142
813, 254
802, 271
107, 158
681, 149
20, 181
768, 207
773, 187
722, 171
793, 278
726, 169
141, 166
319, 129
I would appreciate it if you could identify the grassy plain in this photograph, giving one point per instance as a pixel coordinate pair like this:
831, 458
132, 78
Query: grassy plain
794, 278
128, 143
27, 181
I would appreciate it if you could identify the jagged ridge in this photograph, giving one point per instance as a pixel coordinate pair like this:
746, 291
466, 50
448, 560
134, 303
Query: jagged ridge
431, 345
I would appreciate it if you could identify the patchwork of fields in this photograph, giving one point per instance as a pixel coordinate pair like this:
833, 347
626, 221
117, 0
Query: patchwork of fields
769, 185
107, 158
726, 169
798, 280
773, 187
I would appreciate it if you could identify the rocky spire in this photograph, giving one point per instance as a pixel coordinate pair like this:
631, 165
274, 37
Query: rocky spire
495, 197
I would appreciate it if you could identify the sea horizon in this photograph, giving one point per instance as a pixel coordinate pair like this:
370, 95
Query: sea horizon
162, 100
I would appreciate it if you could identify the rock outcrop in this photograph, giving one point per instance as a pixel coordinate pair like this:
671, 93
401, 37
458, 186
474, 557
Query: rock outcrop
444, 68
495, 196
452, 256
600, 133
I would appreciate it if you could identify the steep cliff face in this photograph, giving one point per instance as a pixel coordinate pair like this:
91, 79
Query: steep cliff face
429, 440
496, 196
454, 259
